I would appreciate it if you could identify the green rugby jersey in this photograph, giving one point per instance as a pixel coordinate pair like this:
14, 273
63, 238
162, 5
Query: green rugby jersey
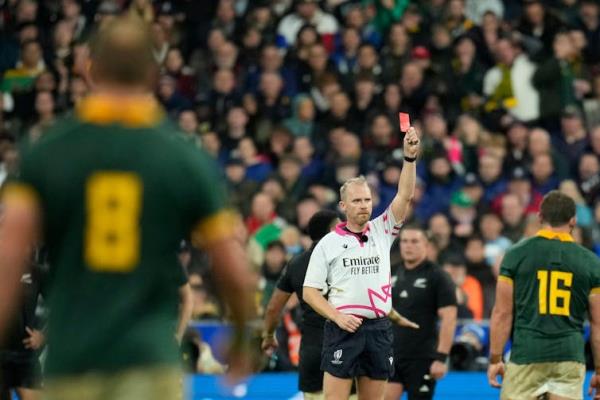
117, 192
552, 278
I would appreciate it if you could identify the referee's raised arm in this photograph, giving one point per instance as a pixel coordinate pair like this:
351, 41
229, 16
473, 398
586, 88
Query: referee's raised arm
406, 183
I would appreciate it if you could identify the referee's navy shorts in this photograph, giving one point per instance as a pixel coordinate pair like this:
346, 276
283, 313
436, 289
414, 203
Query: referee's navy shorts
366, 352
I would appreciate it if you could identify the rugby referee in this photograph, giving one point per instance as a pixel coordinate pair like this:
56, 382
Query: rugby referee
352, 265
310, 377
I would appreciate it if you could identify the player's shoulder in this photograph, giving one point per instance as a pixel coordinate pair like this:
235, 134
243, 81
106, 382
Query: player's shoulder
586, 255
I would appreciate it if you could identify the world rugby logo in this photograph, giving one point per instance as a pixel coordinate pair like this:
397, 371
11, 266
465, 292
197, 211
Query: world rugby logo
336, 357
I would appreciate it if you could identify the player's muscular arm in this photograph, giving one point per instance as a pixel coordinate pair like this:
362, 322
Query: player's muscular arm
18, 227
500, 326
406, 184
447, 317
315, 299
237, 286
594, 311
502, 317
272, 313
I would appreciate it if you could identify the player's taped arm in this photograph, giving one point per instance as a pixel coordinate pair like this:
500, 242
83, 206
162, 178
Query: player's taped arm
273, 312
447, 317
594, 311
502, 318
19, 223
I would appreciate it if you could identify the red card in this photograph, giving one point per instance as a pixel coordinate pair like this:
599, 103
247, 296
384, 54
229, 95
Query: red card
404, 122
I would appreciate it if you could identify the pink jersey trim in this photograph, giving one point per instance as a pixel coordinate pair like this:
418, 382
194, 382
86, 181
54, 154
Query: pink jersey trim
339, 229
387, 294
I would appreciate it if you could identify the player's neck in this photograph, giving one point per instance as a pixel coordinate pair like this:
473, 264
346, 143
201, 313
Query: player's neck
558, 229
412, 264
122, 92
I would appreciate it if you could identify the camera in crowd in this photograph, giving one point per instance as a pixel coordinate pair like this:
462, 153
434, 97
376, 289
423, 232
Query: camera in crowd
467, 351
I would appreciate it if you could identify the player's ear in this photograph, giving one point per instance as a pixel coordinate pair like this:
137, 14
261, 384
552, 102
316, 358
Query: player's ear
539, 215
573, 222
342, 205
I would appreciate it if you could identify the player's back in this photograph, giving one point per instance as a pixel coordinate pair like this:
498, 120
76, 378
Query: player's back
552, 278
116, 201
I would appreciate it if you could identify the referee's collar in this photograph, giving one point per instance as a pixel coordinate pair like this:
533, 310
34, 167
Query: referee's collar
548, 234
342, 230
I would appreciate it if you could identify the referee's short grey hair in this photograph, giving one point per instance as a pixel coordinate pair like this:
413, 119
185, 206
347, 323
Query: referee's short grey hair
360, 180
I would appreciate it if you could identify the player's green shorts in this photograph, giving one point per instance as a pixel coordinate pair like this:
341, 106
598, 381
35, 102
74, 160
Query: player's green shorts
147, 383
529, 381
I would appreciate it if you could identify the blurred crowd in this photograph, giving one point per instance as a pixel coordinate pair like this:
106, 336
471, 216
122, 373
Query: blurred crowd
293, 97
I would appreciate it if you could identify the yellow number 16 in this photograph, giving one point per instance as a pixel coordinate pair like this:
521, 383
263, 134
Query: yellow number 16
556, 293
112, 234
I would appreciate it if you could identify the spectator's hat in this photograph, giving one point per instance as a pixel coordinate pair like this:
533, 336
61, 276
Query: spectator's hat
519, 174
166, 8
420, 53
461, 199
108, 7
471, 180
571, 111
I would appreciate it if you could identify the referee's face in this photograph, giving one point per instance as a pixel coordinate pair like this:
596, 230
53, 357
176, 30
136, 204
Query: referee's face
413, 246
357, 204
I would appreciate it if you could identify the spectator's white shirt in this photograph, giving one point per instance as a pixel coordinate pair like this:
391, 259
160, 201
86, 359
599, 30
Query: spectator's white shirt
521, 73
474, 9
356, 273
291, 24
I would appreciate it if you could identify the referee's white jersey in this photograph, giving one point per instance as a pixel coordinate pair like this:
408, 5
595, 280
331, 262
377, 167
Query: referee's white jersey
355, 269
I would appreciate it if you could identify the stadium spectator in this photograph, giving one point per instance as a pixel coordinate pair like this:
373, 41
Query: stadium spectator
583, 212
490, 226
469, 294
478, 268
589, 177
542, 173
307, 12
512, 212
275, 259
508, 86
441, 234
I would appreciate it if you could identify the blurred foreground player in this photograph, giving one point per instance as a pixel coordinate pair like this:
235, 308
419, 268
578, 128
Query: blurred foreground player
547, 286
114, 192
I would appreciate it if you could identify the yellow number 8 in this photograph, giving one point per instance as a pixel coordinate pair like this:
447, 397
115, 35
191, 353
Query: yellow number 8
112, 237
